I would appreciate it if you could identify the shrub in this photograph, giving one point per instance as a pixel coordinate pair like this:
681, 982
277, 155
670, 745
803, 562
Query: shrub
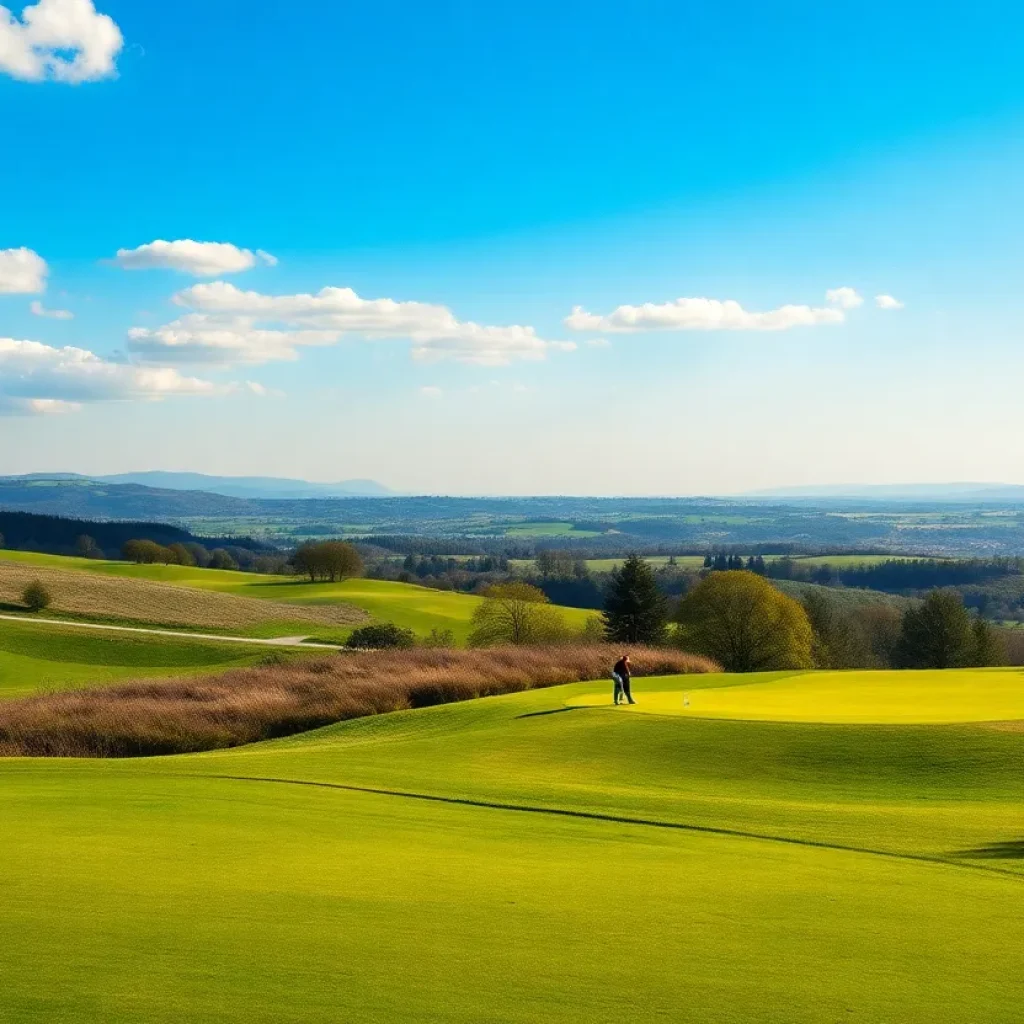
35, 597
440, 639
379, 636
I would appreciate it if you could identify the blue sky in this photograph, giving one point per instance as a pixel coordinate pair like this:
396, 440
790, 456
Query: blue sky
696, 178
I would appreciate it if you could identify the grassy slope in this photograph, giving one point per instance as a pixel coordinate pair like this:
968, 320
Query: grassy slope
417, 608
37, 657
158, 891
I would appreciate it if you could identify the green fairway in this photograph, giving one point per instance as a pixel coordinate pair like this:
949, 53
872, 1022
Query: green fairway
966, 695
35, 657
579, 865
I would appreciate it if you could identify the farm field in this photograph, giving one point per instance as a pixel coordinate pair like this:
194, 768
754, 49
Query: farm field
290, 606
516, 859
35, 657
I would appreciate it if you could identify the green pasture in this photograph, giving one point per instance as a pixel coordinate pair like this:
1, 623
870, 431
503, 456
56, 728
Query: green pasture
420, 609
517, 859
37, 657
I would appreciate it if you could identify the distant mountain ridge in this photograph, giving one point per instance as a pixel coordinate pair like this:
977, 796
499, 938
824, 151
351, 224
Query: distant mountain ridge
230, 486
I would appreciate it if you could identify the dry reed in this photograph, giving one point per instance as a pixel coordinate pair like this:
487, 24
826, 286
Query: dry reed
245, 705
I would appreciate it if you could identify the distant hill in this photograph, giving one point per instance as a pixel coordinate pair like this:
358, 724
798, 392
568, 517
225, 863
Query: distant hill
58, 535
252, 486
900, 492
230, 486
81, 498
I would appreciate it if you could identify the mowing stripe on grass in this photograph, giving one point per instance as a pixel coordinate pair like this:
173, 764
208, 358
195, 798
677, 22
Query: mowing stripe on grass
615, 819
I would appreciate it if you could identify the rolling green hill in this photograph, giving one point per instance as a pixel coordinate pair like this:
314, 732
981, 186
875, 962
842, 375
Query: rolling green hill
35, 657
517, 860
318, 607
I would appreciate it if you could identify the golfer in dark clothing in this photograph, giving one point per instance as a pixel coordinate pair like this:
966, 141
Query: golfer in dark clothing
621, 675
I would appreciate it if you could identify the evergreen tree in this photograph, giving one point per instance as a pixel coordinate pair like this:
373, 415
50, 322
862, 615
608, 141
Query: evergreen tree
709, 562
635, 609
938, 634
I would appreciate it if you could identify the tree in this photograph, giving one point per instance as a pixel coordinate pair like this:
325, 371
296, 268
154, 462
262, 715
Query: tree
836, 642
331, 560
35, 597
200, 555
180, 555
143, 552
86, 547
515, 613
221, 559
381, 636
635, 609
989, 646
938, 633
745, 624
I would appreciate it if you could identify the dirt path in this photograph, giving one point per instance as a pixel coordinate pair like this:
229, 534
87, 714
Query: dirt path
279, 641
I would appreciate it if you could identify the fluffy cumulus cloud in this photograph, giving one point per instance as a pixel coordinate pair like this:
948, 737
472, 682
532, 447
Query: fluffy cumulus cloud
38, 378
844, 298
200, 259
887, 302
226, 325
59, 40
702, 315
22, 271
38, 309
221, 341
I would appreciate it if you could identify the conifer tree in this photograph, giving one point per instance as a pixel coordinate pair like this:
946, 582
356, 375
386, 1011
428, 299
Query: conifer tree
635, 609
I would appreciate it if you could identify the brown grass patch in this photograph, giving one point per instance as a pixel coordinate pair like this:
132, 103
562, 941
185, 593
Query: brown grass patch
250, 704
92, 595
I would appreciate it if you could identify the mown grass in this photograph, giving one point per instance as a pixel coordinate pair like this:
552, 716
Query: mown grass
38, 657
863, 697
247, 705
847, 872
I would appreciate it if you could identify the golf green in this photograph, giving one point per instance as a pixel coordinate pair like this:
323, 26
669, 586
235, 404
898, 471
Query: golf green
967, 695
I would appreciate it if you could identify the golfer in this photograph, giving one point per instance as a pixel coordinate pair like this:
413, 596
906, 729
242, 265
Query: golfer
621, 675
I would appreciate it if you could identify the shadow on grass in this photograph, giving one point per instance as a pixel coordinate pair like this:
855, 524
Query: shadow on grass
19, 608
1010, 850
552, 711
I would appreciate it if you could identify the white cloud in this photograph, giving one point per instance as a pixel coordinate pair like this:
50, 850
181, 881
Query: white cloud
39, 378
59, 40
430, 391
887, 302
229, 325
38, 309
598, 343
36, 406
200, 259
22, 271
701, 315
221, 341
844, 298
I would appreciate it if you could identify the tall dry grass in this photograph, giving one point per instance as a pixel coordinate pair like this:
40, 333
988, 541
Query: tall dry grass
250, 704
